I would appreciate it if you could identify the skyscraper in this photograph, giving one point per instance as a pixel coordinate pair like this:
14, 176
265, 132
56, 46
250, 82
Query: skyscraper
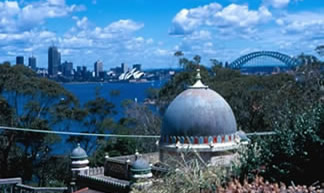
54, 60
98, 67
137, 67
67, 68
124, 67
32, 62
20, 60
59, 58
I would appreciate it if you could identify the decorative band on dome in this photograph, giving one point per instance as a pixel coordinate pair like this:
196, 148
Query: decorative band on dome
197, 139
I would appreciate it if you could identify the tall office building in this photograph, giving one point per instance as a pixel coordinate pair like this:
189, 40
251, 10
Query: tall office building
59, 58
124, 67
98, 67
137, 67
32, 62
54, 60
67, 68
20, 60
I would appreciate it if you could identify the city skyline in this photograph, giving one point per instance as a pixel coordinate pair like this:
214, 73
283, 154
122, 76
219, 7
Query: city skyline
149, 33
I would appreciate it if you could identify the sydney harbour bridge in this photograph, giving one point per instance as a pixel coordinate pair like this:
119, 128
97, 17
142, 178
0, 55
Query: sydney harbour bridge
265, 59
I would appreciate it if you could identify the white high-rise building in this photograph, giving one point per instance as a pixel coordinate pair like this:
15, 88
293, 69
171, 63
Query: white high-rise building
98, 67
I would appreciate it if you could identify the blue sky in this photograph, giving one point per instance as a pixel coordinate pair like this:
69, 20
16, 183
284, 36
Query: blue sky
150, 31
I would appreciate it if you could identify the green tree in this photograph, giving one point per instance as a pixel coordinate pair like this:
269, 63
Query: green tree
145, 122
270, 103
179, 54
94, 117
152, 93
215, 62
138, 120
296, 152
31, 102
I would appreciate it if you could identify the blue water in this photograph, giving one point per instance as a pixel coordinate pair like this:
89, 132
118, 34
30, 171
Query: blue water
87, 91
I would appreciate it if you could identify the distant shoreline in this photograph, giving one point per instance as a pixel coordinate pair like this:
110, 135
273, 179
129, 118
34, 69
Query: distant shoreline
78, 82
113, 82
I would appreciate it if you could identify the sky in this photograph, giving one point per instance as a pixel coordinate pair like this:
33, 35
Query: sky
149, 32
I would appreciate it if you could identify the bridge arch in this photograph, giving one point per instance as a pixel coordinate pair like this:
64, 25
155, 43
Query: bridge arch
287, 60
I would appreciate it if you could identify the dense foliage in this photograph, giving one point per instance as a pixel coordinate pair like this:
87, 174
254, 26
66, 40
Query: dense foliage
28, 101
291, 104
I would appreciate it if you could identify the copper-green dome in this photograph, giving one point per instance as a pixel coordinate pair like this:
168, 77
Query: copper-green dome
198, 111
140, 164
78, 153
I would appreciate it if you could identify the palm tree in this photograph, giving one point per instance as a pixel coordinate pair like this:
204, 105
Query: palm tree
179, 54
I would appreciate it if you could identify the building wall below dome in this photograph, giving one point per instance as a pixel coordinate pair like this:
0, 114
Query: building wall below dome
215, 158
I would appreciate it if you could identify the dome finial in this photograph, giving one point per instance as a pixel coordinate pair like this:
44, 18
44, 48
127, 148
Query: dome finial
106, 155
198, 84
198, 77
136, 154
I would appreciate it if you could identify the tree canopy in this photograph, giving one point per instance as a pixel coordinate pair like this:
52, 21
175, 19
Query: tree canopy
291, 104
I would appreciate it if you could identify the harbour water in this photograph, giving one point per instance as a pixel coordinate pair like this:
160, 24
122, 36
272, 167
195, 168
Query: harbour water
132, 91
87, 91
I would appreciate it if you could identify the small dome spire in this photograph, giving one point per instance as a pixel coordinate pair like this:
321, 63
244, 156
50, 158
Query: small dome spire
106, 155
198, 84
198, 77
137, 155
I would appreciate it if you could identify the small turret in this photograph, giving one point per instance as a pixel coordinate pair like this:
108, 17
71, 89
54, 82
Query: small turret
141, 173
79, 164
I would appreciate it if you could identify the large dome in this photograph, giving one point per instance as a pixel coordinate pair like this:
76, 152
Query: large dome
198, 111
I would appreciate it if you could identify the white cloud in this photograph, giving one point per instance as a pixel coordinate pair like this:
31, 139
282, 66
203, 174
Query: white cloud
150, 41
232, 17
24, 43
200, 35
22, 29
162, 52
276, 3
240, 16
187, 20
30, 37
82, 23
9, 8
56, 2
14, 18
248, 50
120, 30
280, 22
123, 26
134, 44
208, 44
306, 24
75, 42
114, 43
8, 14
